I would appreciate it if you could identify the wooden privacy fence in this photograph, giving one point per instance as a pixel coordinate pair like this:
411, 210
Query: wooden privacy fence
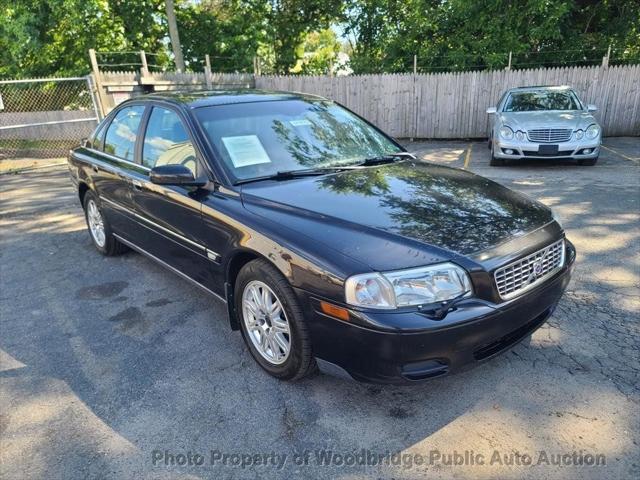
437, 105
453, 105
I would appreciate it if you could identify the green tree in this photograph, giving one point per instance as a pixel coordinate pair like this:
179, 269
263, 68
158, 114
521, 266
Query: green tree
463, 34
318, 53
230, 31
52, 37
289, 21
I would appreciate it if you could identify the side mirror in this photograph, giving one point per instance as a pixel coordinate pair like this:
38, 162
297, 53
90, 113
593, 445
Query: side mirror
491, 110
592, 108
174, 175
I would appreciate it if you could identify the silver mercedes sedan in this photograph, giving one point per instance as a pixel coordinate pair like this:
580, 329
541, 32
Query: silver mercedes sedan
543, 122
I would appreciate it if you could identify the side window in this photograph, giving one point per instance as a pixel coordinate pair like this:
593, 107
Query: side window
120, 139
166, 141
98, 139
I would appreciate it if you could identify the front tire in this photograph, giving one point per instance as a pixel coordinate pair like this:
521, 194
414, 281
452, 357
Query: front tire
99, 228
272, 322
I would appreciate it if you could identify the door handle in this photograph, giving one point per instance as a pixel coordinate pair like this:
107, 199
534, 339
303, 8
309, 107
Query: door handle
95, 168
136, 184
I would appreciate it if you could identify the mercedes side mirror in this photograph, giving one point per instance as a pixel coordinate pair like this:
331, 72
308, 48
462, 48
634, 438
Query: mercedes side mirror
592, 108
174, 175
491, 110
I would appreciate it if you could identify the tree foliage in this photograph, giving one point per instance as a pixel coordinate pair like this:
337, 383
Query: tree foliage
47, 37
229, 31
462, 34
289, 21
52, 37
318, 53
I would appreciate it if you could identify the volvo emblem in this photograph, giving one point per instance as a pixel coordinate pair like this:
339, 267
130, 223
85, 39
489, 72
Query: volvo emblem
536, 271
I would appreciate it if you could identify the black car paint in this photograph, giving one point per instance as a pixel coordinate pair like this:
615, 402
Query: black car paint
318, 231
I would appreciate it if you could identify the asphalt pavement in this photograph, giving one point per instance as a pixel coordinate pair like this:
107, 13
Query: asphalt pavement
115, 368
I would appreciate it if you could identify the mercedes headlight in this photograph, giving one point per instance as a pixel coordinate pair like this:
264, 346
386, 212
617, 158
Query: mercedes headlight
520, 135
592, 132
506, 133
402, 288
579, 134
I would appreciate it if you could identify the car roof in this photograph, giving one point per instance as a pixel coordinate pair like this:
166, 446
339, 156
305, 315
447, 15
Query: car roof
206, 98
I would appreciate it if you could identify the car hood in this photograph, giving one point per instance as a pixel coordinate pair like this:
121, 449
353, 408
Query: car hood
419, 212
547, 119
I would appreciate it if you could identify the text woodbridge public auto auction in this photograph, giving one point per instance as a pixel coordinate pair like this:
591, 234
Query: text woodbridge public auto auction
364, 457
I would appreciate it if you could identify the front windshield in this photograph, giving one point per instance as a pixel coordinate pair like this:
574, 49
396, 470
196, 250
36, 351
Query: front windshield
259, 139
542, 100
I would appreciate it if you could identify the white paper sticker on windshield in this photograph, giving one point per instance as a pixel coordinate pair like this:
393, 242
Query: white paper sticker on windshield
245, 150
303, 122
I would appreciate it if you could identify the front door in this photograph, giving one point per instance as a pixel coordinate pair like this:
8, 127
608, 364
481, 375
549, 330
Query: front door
171, 214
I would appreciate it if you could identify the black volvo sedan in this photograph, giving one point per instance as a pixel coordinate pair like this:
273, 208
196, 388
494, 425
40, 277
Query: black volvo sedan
331, 245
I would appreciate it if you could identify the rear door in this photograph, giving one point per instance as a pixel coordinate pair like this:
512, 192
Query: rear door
171, 215
114, 167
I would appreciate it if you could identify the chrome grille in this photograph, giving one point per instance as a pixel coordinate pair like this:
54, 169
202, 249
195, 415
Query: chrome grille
550, 135
527, 272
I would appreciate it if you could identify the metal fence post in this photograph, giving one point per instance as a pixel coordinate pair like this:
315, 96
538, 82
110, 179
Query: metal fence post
145, 67
95, 102
416, 106
207, 71
605, 59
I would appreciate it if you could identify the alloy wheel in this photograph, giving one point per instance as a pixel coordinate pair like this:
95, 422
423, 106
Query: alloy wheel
96, 224
266, 322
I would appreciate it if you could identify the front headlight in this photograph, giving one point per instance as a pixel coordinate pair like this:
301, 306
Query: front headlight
416, 286
520, 135
369, 290
592, 132
506, 133
579, 134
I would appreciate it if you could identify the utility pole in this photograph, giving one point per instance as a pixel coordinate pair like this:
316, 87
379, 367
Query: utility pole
173, 35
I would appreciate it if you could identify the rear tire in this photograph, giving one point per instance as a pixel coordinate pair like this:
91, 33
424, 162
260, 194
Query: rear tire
588, 162
273, 325
99, 228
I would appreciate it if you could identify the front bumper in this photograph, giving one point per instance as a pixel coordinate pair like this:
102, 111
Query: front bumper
573, 149
471, 334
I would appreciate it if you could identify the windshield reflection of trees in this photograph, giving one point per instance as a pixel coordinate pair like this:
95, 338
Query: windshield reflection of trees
332, 136
532, 101
441, 206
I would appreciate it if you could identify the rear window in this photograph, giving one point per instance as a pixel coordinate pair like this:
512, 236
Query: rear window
121, 135
97, 141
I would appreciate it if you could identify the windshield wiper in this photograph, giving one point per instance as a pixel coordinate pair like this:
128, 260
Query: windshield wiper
308, 172
390, 158
289, 174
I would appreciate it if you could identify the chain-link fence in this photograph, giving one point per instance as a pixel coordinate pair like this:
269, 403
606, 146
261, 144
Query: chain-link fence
44, 118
